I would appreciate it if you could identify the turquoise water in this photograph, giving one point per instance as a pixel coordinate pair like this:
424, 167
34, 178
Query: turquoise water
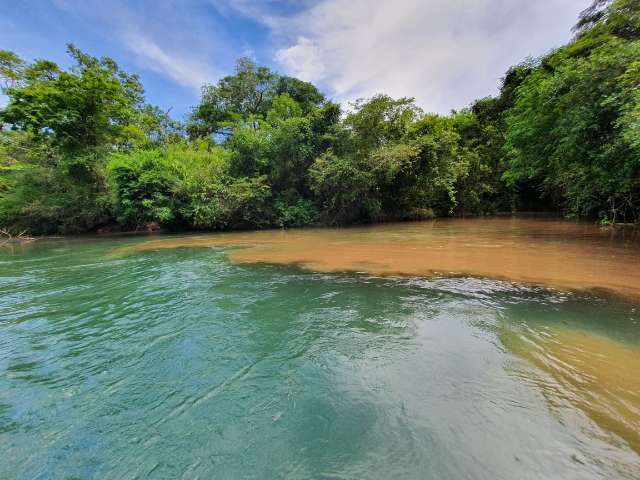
181, 364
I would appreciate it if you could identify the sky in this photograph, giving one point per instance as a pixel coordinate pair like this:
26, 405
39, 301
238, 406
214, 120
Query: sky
444, 53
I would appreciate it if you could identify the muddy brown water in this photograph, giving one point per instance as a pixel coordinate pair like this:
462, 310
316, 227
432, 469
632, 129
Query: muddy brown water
554, 253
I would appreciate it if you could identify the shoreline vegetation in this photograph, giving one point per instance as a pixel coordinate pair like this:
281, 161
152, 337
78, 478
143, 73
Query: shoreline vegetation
81, 151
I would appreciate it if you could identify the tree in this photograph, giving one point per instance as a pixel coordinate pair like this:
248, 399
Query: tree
379, 121
248, 93
620, 18
11, 69
572, 124
91, 105
344, 190
67, 121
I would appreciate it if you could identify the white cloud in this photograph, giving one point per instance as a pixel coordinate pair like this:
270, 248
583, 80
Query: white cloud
445, 54
303, 60
188, 72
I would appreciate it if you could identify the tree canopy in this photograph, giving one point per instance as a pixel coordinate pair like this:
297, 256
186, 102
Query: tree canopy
80, 149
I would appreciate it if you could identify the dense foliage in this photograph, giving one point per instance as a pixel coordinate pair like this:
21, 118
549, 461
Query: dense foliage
81, 150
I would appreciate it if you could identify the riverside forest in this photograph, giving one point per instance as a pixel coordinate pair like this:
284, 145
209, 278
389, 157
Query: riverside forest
279, 285
80, 150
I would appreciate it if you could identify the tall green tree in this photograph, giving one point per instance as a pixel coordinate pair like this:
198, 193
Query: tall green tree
68, 121
573, 123
247, 94
90, 105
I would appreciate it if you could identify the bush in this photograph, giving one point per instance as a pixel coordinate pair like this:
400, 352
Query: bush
231, 203
45, 192
345, 191
295, 211
143, 188
185, 187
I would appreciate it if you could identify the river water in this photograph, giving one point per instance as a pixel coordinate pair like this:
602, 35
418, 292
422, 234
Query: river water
475, 349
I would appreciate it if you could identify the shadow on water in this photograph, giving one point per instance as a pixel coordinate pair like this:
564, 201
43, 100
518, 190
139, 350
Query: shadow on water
587, 356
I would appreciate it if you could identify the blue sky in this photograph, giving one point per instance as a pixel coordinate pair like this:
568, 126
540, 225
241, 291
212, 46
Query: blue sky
443, 53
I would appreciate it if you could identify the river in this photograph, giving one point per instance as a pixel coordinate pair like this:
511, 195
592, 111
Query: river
484, 349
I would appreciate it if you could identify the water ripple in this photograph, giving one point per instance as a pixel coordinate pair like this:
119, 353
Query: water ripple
179, 364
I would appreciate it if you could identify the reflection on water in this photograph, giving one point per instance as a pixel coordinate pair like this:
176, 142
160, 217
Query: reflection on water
176, 363
593, 373
555, 253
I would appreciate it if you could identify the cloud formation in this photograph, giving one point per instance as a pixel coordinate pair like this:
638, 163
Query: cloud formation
185, 71
443, 53
302, 60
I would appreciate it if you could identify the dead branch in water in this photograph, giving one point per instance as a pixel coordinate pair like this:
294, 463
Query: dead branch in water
8, 238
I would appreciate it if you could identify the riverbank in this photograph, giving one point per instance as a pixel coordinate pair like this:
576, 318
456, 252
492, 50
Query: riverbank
154, 228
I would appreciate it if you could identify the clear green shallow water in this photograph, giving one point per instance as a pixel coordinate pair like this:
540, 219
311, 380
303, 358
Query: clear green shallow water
181, 364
